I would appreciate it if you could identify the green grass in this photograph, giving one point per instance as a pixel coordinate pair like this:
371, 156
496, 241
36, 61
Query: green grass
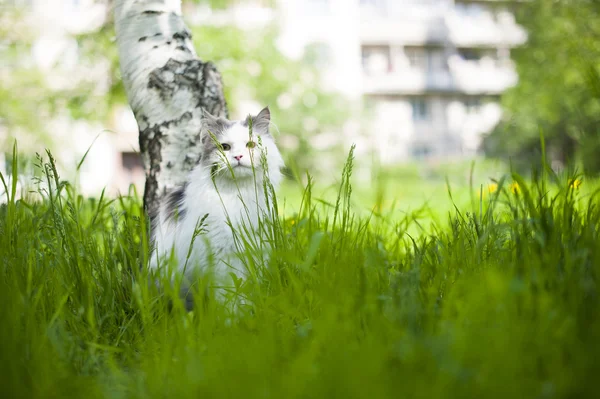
499, 298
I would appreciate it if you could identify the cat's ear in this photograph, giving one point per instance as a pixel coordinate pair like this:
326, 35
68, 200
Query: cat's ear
208, 118
260, 122
264, 114
210, 125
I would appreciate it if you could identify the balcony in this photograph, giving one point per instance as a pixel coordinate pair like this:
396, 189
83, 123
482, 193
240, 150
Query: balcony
435, 21
407, 81
417, 22
484, 29
462, 76
387, 30
486, 75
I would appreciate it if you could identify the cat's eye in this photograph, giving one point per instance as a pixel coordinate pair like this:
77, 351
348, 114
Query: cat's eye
225, 146
250, 144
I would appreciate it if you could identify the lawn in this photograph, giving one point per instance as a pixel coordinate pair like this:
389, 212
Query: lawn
368, 294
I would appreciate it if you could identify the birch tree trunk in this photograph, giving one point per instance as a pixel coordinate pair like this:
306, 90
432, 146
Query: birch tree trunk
167, 87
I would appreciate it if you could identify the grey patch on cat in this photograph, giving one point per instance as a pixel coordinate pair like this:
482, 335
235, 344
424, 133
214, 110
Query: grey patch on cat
153, 218
213, 124
209, 145
188, 299
174, 202
213, 128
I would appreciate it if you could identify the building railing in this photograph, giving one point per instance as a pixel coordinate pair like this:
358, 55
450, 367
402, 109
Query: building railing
473, 77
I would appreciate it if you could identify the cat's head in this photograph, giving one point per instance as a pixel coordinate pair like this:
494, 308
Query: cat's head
239, 149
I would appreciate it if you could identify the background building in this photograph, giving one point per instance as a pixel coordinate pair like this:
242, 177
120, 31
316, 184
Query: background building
429, 72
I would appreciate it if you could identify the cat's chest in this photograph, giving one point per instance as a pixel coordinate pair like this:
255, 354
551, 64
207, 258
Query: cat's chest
231, 209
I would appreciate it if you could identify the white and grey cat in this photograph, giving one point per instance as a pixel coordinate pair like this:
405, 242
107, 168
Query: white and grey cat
201, 223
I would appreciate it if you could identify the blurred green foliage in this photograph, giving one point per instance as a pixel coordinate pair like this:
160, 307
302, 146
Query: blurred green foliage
31, 95
24, 96
558, 93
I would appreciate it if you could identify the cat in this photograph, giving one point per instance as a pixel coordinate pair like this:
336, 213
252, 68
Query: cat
201, 223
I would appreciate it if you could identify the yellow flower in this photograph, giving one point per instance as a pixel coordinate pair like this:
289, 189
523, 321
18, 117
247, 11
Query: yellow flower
514, 187
490, 189
574, 183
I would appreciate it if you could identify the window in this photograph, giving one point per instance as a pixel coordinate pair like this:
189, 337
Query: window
469, 54
420, 150
436, 60
472, 104
376, 60
478, 54
131, 161
417, 57
132, 168
420, 109
428, 59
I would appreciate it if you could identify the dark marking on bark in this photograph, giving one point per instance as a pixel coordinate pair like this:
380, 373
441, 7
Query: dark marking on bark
169, 165
158, 34
142, 39
168, 42
153, 12
201, 78
151, 146
185, 34
180, 39
211, 97
154, 46
174, 203
152, 139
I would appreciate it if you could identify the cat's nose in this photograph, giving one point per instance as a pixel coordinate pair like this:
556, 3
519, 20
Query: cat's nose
238, 157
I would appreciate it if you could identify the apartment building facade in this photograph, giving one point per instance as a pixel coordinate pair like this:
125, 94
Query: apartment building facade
429, 72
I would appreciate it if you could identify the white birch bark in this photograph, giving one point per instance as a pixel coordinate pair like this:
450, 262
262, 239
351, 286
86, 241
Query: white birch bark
167, 87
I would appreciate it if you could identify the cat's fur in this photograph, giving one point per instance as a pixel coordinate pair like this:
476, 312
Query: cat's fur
223, 197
